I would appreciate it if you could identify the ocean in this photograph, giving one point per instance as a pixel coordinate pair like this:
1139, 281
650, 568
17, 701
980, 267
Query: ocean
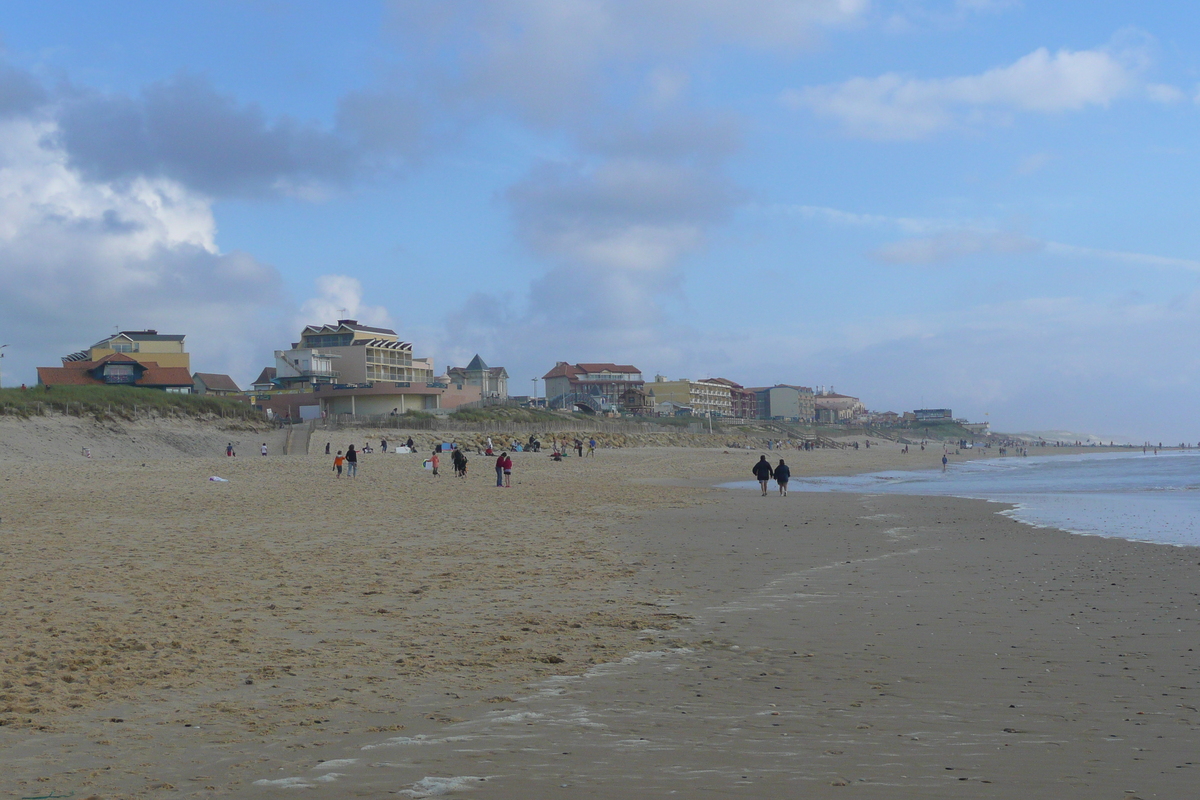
1146, 498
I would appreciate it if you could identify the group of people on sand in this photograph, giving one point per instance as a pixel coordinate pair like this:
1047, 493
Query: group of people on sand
782, 473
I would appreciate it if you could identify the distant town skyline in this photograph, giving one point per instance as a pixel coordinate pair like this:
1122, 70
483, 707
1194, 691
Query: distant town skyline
976, 204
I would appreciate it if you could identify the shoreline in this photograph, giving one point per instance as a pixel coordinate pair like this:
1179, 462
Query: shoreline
665, 567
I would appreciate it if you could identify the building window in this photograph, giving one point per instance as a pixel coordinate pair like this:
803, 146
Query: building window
118, 373
328, 340
123, 347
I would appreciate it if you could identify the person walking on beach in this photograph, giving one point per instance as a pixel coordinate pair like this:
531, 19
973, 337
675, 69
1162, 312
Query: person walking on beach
944, 461
327, 448
338, 461
782, 473
507, 470
579, 447
434, 461
351, 462
460, 463
229, 450
264, 448
500, 470
762, 470
592, 447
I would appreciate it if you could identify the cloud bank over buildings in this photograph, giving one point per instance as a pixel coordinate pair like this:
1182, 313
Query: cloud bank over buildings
968, 200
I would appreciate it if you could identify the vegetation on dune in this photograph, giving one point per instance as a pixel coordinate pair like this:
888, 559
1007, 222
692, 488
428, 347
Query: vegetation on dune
509, 414
125, 402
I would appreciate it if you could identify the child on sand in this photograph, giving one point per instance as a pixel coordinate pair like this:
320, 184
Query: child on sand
435, 460
338, 462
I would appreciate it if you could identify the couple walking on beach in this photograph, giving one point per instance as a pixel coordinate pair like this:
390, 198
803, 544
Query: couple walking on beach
764, 472
504, 471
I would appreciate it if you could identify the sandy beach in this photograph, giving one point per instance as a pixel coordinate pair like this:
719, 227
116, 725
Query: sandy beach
608, 627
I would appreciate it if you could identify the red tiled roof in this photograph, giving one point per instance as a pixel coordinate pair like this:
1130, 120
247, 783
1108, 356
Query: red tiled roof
78, 373
217, 382
65, 376
607, 368
565, 370
562, 370
164, 376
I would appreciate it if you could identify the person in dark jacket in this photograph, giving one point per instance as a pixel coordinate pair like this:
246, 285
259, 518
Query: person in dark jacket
762, 471
782, 473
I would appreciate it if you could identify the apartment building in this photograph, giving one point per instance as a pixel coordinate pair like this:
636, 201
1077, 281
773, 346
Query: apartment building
705, 398
163, 349
608, 383
744, 401
349, 353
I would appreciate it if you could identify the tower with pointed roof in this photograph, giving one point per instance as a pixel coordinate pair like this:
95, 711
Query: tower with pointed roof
492, 381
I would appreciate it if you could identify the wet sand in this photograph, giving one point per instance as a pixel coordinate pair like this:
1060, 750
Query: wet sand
169, 636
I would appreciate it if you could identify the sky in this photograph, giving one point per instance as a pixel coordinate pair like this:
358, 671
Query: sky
986, 205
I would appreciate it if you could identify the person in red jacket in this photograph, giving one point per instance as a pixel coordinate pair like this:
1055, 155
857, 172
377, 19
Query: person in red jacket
507, 470
500, 470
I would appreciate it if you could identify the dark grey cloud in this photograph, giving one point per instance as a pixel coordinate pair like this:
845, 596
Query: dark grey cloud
185, 130
20, 92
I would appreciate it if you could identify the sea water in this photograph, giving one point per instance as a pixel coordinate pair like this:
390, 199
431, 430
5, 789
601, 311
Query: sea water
1141, 497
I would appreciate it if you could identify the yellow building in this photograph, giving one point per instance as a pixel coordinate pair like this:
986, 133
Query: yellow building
704, 397
164, 349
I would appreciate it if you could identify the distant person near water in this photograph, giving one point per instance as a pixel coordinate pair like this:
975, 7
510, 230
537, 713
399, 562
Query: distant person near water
351, 462
782, 473
762, 470
944, 462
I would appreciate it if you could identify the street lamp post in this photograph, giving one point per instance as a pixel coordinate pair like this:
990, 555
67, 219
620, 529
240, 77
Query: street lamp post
535, 380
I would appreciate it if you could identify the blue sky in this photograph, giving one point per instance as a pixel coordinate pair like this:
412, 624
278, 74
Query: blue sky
981, 204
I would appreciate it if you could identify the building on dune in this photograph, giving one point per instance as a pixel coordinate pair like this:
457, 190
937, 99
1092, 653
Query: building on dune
599, 386
492, 381
117, 369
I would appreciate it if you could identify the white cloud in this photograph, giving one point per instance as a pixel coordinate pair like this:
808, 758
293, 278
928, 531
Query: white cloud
953, 245
552, 60
78, 257
1165, 93
895, 106
1033, 163
937, 240
340, 297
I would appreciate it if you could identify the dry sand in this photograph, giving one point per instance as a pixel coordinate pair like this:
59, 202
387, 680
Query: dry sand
171, 636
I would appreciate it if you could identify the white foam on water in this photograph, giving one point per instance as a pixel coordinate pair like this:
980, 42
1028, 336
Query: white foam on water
330, 777
520, 716
286, 783
436, 787
336, 763
402, 741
